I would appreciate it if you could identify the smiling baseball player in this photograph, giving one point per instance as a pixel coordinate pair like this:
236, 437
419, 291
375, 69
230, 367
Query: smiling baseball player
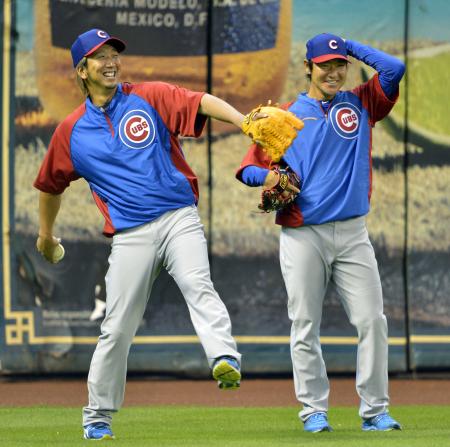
123, 140
324, 237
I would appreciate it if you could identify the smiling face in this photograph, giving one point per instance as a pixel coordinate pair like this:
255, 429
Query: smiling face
326, 78
101, 72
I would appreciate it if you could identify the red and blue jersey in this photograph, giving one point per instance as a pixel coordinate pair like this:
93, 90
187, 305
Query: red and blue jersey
331, 155
129, 153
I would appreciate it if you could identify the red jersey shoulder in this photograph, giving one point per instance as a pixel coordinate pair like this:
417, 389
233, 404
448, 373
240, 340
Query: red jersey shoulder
154, 89
177, 106
286, 105
64, 129
374, 100
57, 171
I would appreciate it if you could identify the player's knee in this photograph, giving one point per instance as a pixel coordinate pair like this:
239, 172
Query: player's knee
116, 337
371, 323
199, 284
306, 330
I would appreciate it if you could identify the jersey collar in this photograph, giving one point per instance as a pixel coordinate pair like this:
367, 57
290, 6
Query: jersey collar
109, 109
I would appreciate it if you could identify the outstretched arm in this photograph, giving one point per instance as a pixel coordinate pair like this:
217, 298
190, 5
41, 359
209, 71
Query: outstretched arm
220, 110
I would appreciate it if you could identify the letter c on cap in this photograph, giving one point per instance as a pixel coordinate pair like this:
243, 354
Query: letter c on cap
333, 44
101, 34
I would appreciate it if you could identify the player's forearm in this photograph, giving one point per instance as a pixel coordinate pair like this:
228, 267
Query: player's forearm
390, 69
49, 205
220, 110
254, 175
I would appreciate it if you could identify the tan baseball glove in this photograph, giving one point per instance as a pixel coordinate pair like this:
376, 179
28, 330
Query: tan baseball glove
272, 128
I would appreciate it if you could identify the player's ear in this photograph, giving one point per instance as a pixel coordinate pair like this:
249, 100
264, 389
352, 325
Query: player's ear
308, 67
82, 68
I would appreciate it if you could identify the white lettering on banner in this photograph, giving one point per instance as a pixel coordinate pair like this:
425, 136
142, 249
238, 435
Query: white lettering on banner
232, 3
224, 3
100, 3
166, 4
189, 19
134, 13
156, 19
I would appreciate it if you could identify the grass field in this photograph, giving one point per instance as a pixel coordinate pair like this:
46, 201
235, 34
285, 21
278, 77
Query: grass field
427, 97
240, 427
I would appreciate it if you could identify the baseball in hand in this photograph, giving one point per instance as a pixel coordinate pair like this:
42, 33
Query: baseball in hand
58, 253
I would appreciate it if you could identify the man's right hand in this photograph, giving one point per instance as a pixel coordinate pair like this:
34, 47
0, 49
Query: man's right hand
272, 179
50, 248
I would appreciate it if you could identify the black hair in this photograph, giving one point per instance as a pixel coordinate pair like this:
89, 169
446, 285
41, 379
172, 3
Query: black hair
310, 66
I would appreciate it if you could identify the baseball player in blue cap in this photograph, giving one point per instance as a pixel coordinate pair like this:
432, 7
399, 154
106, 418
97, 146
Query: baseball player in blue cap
323, 236
123, 140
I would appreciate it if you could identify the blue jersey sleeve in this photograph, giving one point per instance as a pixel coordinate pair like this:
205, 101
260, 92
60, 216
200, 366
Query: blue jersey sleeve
390, 69
254, 175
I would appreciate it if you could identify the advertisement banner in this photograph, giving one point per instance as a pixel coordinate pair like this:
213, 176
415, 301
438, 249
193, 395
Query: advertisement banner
52, 313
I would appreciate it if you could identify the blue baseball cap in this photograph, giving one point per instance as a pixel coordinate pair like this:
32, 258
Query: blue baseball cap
324, 47
90, 41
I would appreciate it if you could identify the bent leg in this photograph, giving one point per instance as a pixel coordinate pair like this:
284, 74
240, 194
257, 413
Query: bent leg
186, 260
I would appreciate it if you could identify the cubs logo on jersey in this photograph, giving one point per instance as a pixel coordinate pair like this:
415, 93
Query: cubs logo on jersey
136, 129
345, 118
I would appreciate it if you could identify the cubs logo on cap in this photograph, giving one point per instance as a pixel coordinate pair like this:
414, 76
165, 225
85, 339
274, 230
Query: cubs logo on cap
345, 118
324, 47
90, 41
136, 129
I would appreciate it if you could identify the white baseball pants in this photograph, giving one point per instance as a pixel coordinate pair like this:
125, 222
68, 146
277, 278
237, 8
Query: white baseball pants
339, 252
176, 241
